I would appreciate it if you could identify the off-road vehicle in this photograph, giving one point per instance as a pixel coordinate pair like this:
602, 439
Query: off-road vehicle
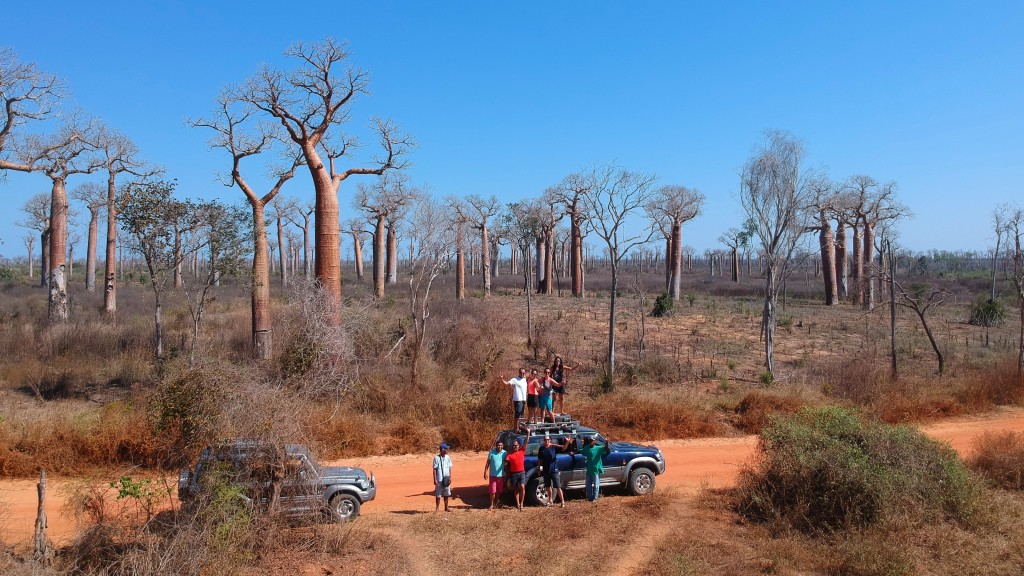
629, 465
304, 487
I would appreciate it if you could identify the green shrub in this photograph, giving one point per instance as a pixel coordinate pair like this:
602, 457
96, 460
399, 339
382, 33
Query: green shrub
824, 469
663, 305
987, 312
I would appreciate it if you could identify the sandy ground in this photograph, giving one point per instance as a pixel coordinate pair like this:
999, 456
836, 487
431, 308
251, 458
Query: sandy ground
404, 483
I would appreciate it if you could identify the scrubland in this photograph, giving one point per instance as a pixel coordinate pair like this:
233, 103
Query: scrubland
89, 398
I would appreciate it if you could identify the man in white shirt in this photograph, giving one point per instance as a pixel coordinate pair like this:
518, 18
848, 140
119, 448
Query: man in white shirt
442, 477
518, 385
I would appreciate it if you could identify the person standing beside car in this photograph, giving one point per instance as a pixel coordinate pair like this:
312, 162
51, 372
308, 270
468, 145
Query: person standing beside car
595, 454
442, 477
547, 459
495, 467
515, 462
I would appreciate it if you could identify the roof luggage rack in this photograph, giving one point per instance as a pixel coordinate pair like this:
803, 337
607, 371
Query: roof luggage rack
562, 423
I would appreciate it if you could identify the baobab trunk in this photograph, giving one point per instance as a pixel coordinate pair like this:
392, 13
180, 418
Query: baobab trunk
868, 253
540, 267
378, 258
668, 263
90, 251
576, 257
281, 251
676, 256
858, 266
549, 263
460, 264
735, 264
58, 295
485, 259
828, 264
262, 325
357, 255
327, 234
392, 255
841, 261
44, 256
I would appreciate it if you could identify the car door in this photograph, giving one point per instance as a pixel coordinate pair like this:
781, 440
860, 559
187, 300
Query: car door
613, 464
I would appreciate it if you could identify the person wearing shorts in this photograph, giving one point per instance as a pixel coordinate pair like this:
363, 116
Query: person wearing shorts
515, 465
442, 477
544, 385
559, 373
494, 468
532, 403
519, 389
547, 459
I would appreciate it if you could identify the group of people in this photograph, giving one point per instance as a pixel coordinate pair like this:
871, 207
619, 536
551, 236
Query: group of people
533, 400
534, 397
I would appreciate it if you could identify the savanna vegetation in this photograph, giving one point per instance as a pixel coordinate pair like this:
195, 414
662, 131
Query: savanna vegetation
202, 334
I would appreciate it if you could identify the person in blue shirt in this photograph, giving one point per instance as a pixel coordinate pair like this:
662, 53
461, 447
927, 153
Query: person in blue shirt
495, 468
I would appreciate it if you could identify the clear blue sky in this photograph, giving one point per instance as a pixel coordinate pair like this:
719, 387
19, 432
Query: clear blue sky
506, 98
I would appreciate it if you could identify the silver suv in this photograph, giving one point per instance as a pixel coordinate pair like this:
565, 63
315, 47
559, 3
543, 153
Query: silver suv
306, 488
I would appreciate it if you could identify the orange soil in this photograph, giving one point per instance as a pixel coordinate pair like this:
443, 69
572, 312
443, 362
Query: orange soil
404, 483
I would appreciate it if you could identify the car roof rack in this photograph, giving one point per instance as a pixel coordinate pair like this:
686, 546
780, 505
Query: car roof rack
562, 423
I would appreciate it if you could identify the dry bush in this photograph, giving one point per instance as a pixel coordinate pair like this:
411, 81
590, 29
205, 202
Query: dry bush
996, 384
474, 337
627, 415
999, 458
337, 432
756, 408
910, 405
860, 379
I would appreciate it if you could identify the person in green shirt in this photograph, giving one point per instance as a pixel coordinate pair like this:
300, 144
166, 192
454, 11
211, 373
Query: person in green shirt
595, 466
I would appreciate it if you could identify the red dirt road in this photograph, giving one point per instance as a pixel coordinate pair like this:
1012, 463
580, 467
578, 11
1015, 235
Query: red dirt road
404, 484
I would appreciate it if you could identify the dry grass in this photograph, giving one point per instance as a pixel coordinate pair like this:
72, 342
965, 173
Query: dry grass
1000, 459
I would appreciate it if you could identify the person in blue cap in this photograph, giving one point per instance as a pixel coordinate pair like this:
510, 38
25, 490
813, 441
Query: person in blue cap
442, 477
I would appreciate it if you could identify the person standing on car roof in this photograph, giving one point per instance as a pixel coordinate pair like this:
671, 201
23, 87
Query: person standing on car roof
559, 374
531, 396
547, 459
442, 477
595, 454
518, 385
544, 386
515, 462
495, 467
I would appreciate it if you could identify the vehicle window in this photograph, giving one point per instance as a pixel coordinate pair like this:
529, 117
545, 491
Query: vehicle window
533, 446
295, 468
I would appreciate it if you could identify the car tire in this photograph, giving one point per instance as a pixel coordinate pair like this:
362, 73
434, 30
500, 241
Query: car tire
641, 481
536, 492
344, 507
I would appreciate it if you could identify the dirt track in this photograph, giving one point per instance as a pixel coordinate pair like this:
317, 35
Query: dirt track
404, 481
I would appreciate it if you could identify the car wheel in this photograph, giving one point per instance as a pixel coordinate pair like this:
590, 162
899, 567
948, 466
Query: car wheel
641, 481
536, 492
344, 507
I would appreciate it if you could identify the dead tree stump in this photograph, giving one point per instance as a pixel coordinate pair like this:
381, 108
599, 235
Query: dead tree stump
42, 552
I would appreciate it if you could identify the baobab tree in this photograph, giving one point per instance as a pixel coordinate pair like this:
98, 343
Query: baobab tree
311, 102
524, 222
569, 194
476, 211
237, 133
677, 205
300, 215
774, 196
356, 230
94, 198
60, 156
735, 239
381, 201
824, 199
27, 95
615, 198
30, 241
116, 155
278, 213
37, 218
872, 203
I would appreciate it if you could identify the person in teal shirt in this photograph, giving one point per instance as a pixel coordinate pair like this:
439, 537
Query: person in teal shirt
495, 467
595, 466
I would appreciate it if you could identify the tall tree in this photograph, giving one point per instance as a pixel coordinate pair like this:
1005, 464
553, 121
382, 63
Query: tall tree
824, 200
237, 133
610, 205
477, 211
94, 198
37, 218
381, 200
60, 156
355, 229
150, 216
432, 236
27, 95
1014, 226
311, 102
774, 196
300, 216
569, 193
678, 205
872, 203
524, 222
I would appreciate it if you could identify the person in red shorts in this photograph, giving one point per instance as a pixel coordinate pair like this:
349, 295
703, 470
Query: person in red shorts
495, 468
515, 464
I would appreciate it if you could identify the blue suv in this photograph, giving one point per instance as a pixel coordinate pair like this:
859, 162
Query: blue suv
630, 465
